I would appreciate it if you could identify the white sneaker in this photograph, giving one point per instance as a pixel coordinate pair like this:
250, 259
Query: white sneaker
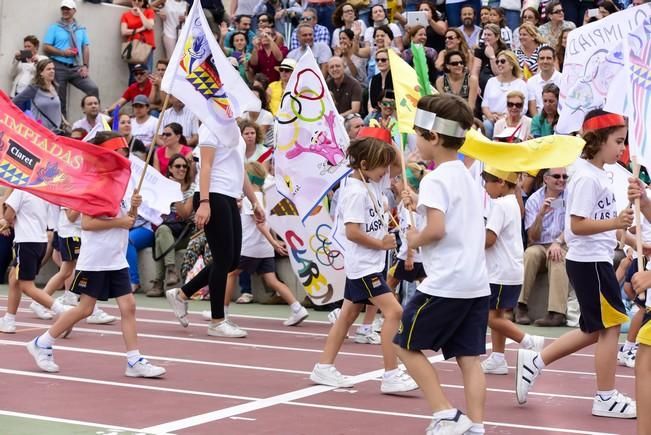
40, 311
334, 315
179, 306
377, 324
43, 357
296, 317
538, 343
206, 315
627, 358
370, 338
330, 376
100, 317
226, 329
398, 383
144, 369
68, 298
526, 373
6, 326
492, 366
618, 406
449, 426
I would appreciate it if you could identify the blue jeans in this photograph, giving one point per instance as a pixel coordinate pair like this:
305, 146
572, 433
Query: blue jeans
512, 19
245, 282
453, 11
139, 239
324, 14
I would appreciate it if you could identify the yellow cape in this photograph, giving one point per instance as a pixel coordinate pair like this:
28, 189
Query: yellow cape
546, 152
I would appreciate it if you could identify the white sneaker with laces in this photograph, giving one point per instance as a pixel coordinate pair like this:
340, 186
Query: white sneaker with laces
100, 317
295, 318
179, 306
449, 426
40, 311
398, 383
618, 406
68, 298
43, 357
627, 358
206, 315
525, 374
370, 338
6, 326
330, 376
144, 369
492, 366
226, 329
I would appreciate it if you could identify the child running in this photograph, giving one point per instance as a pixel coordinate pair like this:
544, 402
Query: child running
505, 264
366, 241
102, 273
591, 224
449, 310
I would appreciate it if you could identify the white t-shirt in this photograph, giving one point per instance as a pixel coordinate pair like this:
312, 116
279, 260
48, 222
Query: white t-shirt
174, 10
405, 223
227, 176
535, 85
65, 228
589, 196
456, 264
105, 249
355, 206
31, 217
145, 131
495, 94
505, 259
254, 243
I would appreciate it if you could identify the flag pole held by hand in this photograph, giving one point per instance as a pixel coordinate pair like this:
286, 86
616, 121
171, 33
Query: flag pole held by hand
638, 228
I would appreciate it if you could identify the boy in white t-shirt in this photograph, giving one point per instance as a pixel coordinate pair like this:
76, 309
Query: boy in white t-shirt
449, 311
102, 273
505, 265
28, 214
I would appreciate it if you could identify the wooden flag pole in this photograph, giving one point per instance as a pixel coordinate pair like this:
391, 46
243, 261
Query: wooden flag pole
134, 210
403, 164
374, 200
638, 227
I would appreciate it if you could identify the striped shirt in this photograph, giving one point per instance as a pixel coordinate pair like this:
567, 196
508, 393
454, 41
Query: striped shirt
553, 222
183, 117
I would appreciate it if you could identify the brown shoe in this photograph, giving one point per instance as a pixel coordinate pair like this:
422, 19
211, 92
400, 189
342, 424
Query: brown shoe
522, 314
171, 278
551, 319
156, 289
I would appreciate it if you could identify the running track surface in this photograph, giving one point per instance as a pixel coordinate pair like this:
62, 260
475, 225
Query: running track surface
260, 385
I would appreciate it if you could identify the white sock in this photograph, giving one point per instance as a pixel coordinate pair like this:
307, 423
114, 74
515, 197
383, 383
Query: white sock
538, 362
323, 366
95, 310
10, 318
446, 413
296, 306
605, 395
133, 356
499, 357
45, 341
527, 342
390, 373
364, 329
225, 311
476, 428
57, 307
628, 345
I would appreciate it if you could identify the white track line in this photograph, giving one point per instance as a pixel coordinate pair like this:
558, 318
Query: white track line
68, 421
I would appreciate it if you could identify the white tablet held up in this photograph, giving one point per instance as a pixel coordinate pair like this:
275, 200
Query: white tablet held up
417, 18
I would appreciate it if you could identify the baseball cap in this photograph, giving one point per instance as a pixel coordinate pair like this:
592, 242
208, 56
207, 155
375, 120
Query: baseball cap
140, 99
287, 64
140, 67
70, 4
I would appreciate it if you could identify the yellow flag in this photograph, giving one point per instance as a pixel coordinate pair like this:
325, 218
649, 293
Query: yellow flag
546, 152
406, 89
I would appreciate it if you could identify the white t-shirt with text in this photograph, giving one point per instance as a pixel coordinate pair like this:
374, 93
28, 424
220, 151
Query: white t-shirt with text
505, 259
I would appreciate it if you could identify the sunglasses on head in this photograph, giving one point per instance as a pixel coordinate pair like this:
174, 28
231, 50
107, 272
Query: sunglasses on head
559, 176
457, 63
512, 104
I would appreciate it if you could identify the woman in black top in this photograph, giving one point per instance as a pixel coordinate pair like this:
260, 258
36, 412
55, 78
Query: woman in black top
457, 80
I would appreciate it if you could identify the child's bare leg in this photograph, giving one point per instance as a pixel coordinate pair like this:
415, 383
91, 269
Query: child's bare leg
337, 334
69, 318
474, 387
605, 358
58, 280
271, 280
30, 289
566, 344
14, 293
501, 329
231, 283
369, 315
636, 324
392, 314
422, 371
127, 305
643, 388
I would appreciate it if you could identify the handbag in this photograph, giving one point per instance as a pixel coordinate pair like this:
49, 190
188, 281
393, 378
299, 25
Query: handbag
135, 50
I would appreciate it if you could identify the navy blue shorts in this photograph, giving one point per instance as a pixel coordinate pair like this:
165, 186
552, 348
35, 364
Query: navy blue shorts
27, 259
504, 296
455, 326
416, 274
102, 285
257, 265
55, 240
359, 291
69, 248
632, 270
598, 293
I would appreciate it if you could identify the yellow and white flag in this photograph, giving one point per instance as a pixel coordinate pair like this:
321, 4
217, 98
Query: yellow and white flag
205, 81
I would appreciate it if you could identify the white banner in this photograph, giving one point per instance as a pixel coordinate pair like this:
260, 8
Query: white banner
316, 262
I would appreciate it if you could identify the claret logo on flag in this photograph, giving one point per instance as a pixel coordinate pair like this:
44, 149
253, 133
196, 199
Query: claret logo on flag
17, 165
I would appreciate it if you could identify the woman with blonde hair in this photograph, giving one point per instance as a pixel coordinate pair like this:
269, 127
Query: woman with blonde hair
529, 15
531, 41
508, 78
484, 65
455, 40
516, 125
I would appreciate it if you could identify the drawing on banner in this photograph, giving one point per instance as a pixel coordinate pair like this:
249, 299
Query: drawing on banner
638, 58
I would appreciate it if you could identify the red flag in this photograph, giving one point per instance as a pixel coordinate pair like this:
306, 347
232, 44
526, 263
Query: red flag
60, 170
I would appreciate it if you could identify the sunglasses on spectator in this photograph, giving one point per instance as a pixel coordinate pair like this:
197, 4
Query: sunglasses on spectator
381, 59
451, 37
388, 103
180, 166
457, 63
558, 11
139, 73
559, 176
512, 104
500, 61
351, 116
165, 134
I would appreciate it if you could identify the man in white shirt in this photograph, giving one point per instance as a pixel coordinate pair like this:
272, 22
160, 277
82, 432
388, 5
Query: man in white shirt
320, 50
470, 30
180, 114
547, 73
90, 106
143, 125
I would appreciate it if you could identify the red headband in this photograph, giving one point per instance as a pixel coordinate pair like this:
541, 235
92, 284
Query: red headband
377, 132
603, 121
115, 144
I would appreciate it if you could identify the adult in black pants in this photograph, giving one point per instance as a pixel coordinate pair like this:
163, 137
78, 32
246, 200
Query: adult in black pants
221, 182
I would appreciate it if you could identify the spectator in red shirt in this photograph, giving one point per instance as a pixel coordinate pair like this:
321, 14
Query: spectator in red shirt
142, 86
138, 22
268, 52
